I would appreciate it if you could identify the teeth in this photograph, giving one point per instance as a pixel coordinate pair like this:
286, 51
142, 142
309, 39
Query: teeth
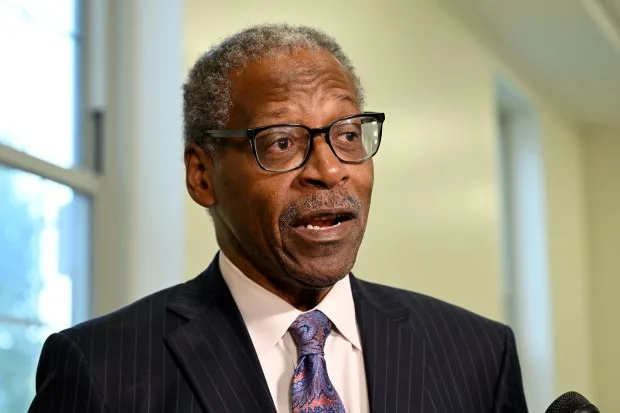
317, 228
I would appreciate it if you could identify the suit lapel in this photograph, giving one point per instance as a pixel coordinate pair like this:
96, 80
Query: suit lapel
214, 350
394, 355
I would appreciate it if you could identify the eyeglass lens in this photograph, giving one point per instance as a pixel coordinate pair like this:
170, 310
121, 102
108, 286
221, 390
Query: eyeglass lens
283, 148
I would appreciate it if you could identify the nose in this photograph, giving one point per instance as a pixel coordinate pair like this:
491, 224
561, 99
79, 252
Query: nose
323, 169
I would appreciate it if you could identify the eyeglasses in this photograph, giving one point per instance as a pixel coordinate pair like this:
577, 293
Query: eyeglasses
285, 147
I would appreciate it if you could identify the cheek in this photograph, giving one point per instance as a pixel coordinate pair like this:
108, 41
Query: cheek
236, 201
257, 207
364, 180
363, 185
271, 199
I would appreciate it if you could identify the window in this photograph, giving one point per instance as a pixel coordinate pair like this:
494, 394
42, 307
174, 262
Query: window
526, 278
47, 186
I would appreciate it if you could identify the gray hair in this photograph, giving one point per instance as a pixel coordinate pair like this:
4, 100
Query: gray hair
206, 93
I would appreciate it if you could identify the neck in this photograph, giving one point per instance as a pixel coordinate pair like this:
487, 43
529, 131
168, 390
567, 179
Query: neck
268, 273
304, 300
301, 297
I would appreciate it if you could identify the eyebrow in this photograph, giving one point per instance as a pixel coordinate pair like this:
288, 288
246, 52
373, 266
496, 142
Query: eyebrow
276, 113
345, 98
280, 112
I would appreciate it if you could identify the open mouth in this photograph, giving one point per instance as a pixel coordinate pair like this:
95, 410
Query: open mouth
324, 221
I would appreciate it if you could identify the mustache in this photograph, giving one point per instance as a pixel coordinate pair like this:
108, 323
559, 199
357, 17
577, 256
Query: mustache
328, 200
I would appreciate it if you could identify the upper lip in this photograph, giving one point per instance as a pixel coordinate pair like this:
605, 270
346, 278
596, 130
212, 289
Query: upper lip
344, 213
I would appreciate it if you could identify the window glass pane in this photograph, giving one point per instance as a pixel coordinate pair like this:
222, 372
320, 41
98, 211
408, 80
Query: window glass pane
44, 234
39, 78
20, 345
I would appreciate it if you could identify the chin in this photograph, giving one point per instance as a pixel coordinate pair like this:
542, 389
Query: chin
321, 272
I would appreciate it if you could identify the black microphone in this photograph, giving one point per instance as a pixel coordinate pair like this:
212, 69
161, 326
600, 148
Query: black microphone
572, 402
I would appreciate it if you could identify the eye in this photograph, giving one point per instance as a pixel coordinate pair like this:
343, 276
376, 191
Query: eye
277, 142
282, 144
350, 136
347, 136
281, 141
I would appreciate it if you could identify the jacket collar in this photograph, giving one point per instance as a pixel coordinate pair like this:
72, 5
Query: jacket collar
214, 350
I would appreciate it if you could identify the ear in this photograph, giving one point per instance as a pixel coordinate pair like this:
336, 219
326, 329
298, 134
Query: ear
199, 170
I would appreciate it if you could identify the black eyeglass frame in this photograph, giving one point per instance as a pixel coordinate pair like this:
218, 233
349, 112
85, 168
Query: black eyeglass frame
252, 133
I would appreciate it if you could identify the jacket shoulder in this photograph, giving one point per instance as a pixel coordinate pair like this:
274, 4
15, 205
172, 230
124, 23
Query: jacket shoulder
133, 320
433, 317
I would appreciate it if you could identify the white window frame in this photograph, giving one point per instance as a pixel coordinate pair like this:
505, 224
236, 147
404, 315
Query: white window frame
133, 63
139, 227
526, 274
83, 181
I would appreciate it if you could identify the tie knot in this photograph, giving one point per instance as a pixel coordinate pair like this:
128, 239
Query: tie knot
309, 331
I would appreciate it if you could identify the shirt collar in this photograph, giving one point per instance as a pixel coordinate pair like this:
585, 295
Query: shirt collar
268, 317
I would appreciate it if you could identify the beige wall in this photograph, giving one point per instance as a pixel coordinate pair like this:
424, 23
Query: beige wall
602, 149
435, 219
436, 188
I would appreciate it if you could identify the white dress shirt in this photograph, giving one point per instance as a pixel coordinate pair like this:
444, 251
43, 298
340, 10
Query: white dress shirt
268, 318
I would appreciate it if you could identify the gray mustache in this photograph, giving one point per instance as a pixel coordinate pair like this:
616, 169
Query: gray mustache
329, 200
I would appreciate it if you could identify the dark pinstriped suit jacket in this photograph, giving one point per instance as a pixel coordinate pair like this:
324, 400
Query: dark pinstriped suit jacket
186, 349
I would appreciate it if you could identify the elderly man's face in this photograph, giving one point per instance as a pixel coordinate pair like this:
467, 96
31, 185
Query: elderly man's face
266, 222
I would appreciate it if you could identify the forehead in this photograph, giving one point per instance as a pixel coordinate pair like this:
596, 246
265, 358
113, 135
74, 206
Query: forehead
287, 82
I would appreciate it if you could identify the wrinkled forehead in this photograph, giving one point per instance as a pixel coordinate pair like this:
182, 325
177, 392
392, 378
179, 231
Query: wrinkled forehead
283, 69
300, 81
285, 66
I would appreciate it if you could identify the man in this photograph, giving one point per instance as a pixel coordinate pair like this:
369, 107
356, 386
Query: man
279, 151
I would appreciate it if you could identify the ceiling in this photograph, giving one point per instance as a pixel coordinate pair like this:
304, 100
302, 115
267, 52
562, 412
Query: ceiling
568, 50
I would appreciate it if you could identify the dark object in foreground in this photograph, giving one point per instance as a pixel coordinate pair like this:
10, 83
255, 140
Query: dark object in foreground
572, 402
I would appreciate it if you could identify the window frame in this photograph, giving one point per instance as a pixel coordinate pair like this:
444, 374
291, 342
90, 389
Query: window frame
82, 179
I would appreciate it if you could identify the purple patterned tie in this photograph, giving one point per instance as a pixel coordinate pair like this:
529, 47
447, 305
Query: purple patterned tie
312, 391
